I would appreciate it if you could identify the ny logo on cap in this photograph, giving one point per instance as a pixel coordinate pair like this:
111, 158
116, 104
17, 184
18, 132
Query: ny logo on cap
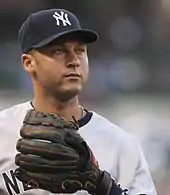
63, 17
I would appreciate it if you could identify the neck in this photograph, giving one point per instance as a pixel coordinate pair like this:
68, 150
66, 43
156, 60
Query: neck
67, 109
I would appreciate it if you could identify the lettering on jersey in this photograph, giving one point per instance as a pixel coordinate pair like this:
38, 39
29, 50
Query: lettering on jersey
12, 184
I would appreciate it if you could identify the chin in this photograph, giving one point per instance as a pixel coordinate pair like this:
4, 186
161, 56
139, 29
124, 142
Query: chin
68, 94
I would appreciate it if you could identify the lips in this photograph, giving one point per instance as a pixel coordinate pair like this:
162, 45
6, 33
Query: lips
72, 75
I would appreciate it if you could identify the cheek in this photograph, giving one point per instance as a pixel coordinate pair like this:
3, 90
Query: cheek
85, 69
49, 67
47, 74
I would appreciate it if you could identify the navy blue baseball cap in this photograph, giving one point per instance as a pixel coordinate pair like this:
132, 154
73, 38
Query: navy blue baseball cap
43, 27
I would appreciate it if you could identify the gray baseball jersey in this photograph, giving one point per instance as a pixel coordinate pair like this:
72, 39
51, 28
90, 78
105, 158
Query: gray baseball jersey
117, 152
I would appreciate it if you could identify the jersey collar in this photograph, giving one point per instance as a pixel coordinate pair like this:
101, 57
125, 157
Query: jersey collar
83, 121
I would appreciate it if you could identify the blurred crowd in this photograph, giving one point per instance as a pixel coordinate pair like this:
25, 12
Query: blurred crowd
129, 67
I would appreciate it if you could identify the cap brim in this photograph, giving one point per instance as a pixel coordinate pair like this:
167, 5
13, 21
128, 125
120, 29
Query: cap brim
86, 36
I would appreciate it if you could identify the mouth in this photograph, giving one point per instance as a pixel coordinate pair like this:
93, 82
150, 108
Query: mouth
72, 75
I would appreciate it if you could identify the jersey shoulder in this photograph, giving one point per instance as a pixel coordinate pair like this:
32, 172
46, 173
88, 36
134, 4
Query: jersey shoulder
11, 120
110, 131
106, 125
12, 117
15, 110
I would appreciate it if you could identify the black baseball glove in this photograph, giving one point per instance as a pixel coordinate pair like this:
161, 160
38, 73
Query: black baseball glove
54, 157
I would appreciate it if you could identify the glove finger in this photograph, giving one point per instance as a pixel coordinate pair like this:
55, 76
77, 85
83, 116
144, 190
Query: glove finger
39, 164
50, 182
46, 149
80, 147
34, 117
22, 175
43, 133
74, 140
76, 144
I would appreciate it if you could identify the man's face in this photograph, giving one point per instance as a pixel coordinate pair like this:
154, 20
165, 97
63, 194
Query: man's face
61, 68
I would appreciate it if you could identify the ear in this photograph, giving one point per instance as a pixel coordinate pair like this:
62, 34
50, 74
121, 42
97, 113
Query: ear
28, 63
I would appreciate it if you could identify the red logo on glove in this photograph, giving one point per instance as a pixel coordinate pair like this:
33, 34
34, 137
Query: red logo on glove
94, 161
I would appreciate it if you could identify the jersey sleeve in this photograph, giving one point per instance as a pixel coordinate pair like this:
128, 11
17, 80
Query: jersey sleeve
133, 170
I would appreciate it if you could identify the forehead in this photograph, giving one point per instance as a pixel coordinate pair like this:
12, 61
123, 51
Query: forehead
67, 41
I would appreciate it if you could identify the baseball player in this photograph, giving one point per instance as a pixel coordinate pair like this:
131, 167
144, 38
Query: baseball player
54, 53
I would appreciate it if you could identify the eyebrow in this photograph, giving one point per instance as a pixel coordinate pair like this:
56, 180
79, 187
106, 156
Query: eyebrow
64, 45
64, 40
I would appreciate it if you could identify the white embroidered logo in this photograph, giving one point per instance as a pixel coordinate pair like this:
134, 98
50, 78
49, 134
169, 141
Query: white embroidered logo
63, 17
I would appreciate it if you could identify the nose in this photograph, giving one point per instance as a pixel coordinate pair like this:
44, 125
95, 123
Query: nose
72, 60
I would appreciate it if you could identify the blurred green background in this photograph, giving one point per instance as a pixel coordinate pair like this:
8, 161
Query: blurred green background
129, 79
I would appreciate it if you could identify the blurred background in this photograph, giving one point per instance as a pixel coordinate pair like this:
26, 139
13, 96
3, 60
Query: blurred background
129, 79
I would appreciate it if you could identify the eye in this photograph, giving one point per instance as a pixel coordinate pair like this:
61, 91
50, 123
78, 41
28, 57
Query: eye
80, 51
59, 51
